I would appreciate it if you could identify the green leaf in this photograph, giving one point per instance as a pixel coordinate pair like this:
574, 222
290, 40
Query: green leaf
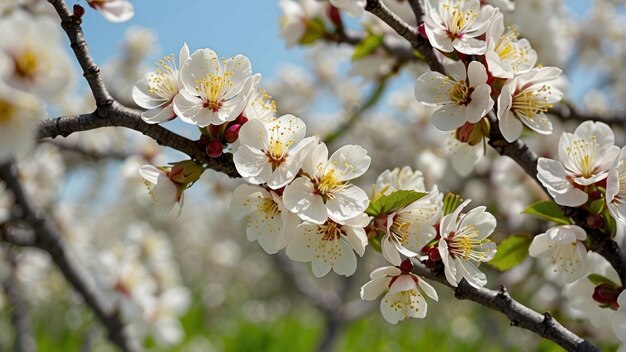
598, 279
511, 252
394, 201
548, 210
367, 46
610, 225
315, 29
451, 201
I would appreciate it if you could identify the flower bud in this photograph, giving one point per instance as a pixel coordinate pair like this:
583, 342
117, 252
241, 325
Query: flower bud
334, 16
78, 11
422, 31
204, 139
434, 255
232, 133
406, 265
215, 148
605, 294
185, 172
470, 133
215, 130
241, 119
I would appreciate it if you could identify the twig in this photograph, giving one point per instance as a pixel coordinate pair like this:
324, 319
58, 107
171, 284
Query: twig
379, 9
47, 238
567, 111
91, 71
89, 153
417, 9
542, 324
24, 340
124, 117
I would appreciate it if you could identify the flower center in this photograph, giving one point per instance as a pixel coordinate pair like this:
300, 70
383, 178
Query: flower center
465, 244
269, 207
403, 301
213, 89
278, 148
457, 20
26, 64
7, 111
530, 102
330, 231
164, 82
459, 93
584, 153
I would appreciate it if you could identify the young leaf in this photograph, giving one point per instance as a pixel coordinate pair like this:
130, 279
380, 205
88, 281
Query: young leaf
367, 46
598, 279
548, 210
511, 252
315, 30
394, 201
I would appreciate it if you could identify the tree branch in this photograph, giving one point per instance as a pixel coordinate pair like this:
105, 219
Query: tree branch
24, 340
124, 117
48, 238
567, 111
519, 315
91, 71
417, 9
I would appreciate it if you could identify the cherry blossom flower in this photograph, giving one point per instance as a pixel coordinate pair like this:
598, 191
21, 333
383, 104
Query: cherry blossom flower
295, 16
162, 315
525, 99
166, 194
331, 245
409, 229
113, 10
272, 153
456, 25
214, 92
464, 244
585, 157
354, 8
156, 91
45, 70
464, 96
268, 222
506, 54
324, 190
399, 179
19, 113
403, 297
616, 188
260, 106
564, 246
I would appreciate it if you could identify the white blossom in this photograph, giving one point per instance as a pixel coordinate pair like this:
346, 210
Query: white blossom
272, 153
114, 10
464, 96
295, 16
616, 188
268, 222
585, 157
457, 25
45, 70
464, 244
324, 191
507, 55
403, 297
619, 319
331, 245
166, 194
564, 246
525, 99
214, 91
399, 179
156, 91
409, 229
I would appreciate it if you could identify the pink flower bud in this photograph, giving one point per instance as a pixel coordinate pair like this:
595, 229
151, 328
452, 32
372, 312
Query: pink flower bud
215, 148
406, 265
78, 11
241, 119
434, 255
422, 31
215, 130
605, 294
232, 133
335, 16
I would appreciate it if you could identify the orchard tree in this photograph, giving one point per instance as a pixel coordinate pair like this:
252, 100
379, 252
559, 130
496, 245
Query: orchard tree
458, 163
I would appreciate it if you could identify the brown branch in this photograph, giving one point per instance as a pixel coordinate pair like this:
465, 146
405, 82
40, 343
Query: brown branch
124, 117
567, 111
417, 10
48, 239
91, 71
542, 324
377, 8
24, 340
